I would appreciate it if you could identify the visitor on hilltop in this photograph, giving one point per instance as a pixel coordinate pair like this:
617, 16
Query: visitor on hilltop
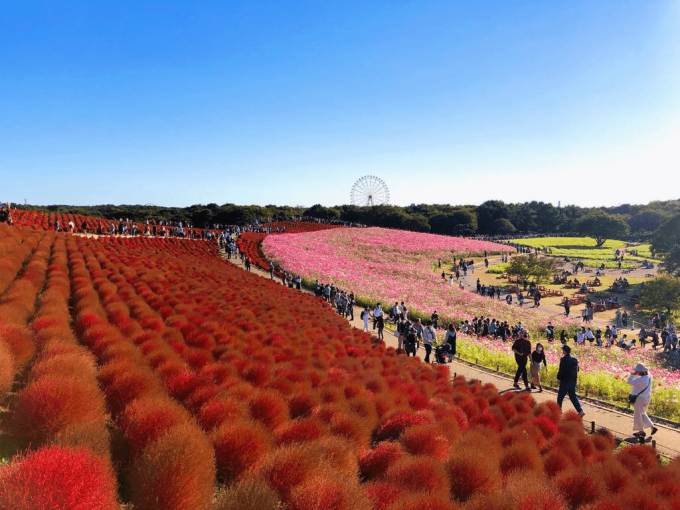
567, 375
271, 272
641, 395
522, 349
537, 357
404, 311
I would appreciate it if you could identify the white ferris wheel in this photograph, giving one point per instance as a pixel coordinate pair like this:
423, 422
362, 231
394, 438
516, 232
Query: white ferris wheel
369, 190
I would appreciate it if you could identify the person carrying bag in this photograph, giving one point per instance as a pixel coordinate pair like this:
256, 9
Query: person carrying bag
640, 396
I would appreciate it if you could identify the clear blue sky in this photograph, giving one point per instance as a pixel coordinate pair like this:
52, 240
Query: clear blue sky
177, 103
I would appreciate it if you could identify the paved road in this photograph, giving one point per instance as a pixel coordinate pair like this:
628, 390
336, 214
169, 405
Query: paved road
619, 423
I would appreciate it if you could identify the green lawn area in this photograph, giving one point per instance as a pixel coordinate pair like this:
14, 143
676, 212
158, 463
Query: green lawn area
574, 243
585, 248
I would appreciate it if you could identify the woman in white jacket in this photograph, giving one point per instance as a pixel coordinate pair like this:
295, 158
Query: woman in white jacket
641, 382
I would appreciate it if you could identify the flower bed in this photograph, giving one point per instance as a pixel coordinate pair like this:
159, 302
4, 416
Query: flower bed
381, 265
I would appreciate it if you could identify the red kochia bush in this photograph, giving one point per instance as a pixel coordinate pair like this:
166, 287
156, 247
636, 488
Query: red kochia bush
423, 502
174, 472
393, 427
269, 407
51, 404
144, 420
418, 474
6, 369
373, 463
471, 473
330, 492
57, 478
239, 446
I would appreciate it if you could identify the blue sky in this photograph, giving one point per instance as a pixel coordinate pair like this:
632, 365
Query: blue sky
177, 103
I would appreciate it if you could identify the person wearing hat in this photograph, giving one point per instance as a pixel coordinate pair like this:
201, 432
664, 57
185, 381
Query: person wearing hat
567, 375
641, 382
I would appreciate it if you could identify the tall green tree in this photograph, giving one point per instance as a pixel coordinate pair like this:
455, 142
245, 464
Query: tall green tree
539, 269
662, 294
602, 226
666, 241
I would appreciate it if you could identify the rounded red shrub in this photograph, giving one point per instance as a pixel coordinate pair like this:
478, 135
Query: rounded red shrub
57, 478
547, 427
298, 431
417, 474
637, 457
175, 471
6, 369
124, 387
554, 462
470, 474
286, 468
485, 419
578, 487
520, 457
393, 427
423, 502
219, 410
426, 440
268, 407
146, 419
239, 446
51, 404
20, 341
330, 492
382, 494
374, 463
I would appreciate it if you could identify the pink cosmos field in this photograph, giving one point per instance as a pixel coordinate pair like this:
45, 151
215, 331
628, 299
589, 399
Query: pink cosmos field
381, 265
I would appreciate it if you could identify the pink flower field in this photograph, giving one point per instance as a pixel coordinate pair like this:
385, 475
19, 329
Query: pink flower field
390, 265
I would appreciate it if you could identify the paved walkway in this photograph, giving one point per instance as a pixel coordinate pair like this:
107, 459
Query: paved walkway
667, 440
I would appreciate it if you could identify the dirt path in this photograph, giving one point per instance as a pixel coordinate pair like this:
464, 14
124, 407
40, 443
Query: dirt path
667, 440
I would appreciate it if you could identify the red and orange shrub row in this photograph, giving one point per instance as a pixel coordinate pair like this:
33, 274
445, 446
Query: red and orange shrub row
249, 244
210, 372
295, 227
23, 266
46, 221
61, 402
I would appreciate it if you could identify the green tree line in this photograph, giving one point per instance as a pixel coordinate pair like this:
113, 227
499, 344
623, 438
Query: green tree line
493, 217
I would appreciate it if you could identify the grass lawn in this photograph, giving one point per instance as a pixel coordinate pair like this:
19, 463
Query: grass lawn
585, 248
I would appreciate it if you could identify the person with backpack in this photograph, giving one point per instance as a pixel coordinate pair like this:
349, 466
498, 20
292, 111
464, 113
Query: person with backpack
567, 375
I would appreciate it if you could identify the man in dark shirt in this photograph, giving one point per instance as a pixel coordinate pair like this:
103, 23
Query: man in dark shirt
522, 349
567, 375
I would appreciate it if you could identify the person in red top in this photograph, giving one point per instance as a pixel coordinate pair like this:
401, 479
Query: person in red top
522, 349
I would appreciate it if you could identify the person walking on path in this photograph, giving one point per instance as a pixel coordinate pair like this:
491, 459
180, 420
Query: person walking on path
522, 350
429, 338
537, 357
567, 376
364, 317
450, 339
271, 270
641, 394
